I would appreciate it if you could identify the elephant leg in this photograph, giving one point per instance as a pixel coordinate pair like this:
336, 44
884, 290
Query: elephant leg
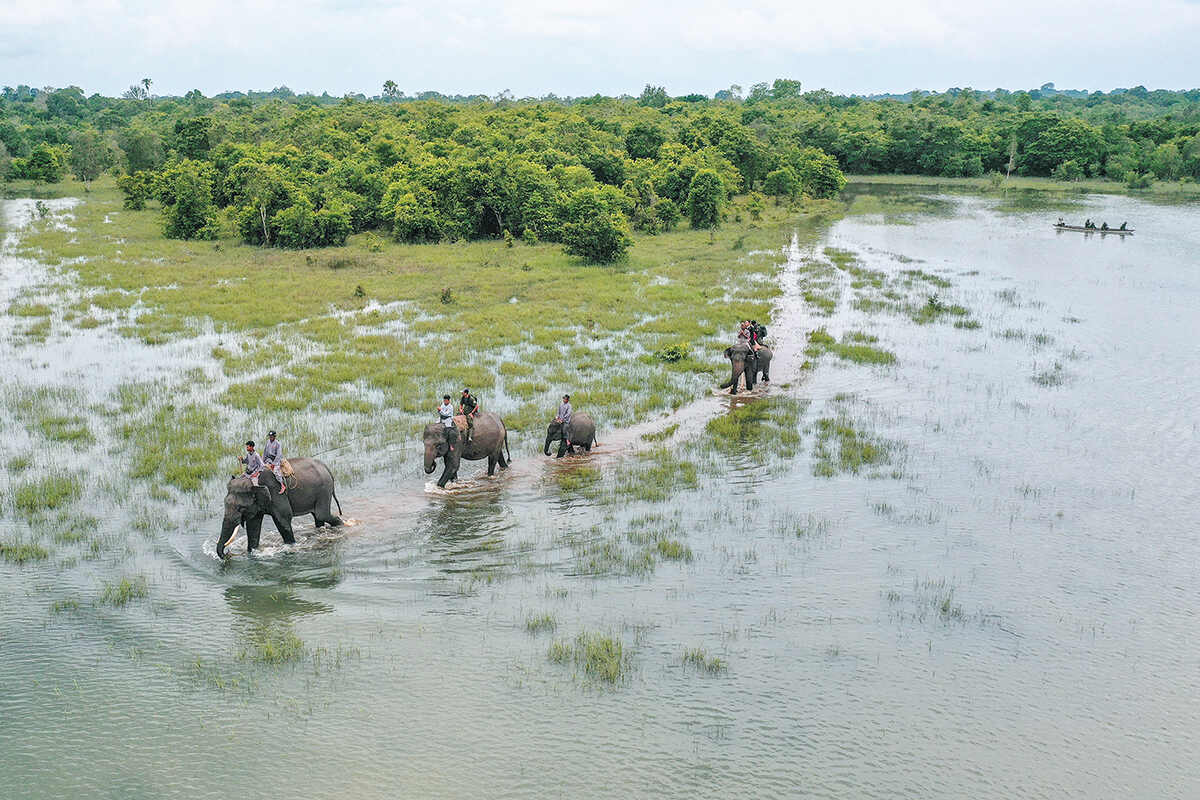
253, 528
588, 447
325, 516
733, 384
491, 466
501, 460
562, 448
284, 526
448, 474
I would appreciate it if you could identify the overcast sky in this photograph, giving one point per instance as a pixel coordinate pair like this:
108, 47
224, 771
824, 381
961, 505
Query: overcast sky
578, 47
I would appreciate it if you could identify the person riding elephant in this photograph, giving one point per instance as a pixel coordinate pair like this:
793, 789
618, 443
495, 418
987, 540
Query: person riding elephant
246, 503
468, 406
489, 441
575, 430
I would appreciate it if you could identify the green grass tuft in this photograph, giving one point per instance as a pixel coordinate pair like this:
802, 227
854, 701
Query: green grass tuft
600, 656
23, 552
124, 590
699, 658
47, 493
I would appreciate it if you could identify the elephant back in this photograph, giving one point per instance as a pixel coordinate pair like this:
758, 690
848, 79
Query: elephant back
582, 427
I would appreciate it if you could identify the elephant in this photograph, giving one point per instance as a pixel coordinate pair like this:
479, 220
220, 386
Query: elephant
246, 504
744, 362
489, 440
581, 433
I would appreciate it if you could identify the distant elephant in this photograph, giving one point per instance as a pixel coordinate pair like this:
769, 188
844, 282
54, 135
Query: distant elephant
246, 504
582, 433
489, 440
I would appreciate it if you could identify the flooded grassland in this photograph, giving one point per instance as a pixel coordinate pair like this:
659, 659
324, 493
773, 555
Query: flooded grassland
948, 551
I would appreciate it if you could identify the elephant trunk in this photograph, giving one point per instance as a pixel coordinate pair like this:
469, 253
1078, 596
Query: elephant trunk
430, 458
228, 526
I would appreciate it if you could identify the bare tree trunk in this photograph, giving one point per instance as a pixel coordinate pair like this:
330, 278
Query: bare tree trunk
266, 232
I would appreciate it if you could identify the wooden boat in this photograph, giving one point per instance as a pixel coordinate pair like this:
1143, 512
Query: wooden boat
1101, 231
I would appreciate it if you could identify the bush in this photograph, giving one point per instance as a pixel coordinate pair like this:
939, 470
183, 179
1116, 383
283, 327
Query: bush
673, 353
1068, 171
706, 199
185, 191
1134, 180
600, 239
137, 188
782, 182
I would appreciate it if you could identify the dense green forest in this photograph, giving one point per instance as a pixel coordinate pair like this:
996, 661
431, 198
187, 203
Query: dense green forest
295, 171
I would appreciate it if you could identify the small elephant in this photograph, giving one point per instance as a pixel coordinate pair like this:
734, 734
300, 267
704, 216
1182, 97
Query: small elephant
581, 433
489, 440
247, 504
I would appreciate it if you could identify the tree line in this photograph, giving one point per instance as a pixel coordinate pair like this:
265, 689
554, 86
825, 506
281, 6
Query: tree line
293, 170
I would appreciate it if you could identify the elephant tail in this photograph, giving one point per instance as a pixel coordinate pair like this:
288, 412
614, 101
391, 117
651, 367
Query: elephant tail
335, 500
507, 452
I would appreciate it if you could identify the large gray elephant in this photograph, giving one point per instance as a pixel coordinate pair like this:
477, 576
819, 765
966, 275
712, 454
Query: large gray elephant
745, 363
247, 504
489, 440
581, 433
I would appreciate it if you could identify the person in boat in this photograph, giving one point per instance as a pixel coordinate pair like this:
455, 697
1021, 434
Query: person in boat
1088, 224
563, 417
1104, 226
253, 462
445, 414
468, 406
272, 456
1124, 225
1060, 223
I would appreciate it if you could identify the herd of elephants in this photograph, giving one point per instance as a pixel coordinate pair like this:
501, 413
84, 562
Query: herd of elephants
310, 488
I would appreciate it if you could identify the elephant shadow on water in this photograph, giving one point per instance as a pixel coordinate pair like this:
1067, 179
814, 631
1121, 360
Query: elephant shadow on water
463, 534
266, 617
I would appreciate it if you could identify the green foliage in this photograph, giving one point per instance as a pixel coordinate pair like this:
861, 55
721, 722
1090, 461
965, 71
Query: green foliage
673, 352
644, 140
137, 187
706, 199
45, 163
185, 190
782, 182
90, 154
596, 229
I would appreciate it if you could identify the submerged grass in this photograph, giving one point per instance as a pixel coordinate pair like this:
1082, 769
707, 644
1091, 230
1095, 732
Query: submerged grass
600, 655
21, 552
539, 623
760, 430
123, 591
843, 446
855, 347
699, 658
47, 493
273, 647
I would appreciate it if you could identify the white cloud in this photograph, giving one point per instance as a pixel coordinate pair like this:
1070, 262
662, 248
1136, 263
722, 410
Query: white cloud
592, 45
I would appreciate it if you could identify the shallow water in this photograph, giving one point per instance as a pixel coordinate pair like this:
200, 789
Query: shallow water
1011, 616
